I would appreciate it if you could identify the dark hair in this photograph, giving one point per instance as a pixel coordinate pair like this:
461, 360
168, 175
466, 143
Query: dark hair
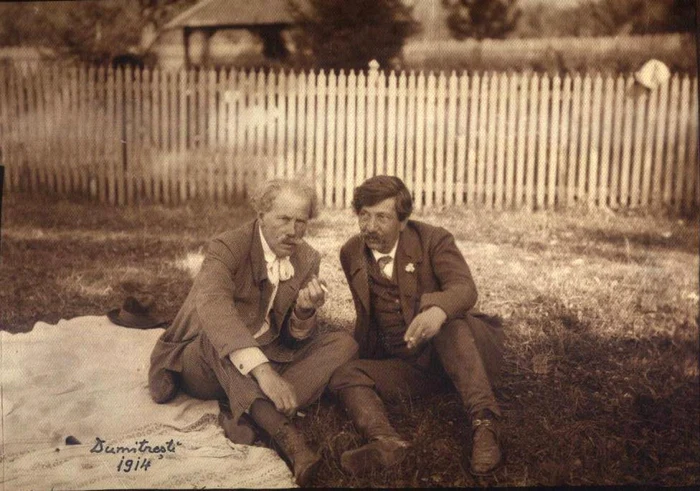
377, 189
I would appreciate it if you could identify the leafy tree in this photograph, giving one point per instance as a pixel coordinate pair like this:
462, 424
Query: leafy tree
481, 18
350, 33
615, 17
90, 31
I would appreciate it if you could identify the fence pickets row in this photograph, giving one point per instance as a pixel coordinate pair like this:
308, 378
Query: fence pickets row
493, 140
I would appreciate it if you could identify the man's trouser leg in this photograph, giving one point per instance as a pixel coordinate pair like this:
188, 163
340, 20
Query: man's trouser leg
315, 362
207, 376
471, 353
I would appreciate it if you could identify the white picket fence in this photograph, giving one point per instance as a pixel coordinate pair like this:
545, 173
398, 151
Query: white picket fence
494, 140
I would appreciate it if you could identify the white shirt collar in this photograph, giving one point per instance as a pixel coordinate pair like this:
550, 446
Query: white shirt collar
270, 256
391, 253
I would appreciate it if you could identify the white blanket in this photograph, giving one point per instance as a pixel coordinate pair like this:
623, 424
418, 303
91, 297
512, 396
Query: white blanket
87, 378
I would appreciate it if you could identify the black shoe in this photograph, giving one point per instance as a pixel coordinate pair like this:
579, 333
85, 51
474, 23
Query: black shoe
486, 451
302, 460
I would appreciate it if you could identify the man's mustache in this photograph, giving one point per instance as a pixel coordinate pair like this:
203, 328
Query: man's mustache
371, 236
292, 240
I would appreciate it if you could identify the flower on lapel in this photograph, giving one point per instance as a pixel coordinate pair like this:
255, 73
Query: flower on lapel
410, 268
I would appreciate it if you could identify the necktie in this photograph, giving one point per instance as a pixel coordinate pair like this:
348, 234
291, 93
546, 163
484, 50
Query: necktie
280, 269
383, 262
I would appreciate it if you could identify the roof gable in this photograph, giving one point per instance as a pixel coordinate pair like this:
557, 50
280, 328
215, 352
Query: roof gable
213, 13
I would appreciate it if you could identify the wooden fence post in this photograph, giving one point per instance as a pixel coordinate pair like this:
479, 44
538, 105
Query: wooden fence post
564, 142
426, 175
330, 191
451, 140
522, 138
474, 112
411, 124
670, 162
608, 110
553, 164
585, 143
573, 142
593, 179
420, 143
464, 108
532, 131
351, 135
402, 124
543, 136
321, 123
483, 129
491, 141
391, 125
340, 136
439, 175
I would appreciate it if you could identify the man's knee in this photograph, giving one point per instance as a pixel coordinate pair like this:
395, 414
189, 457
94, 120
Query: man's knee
350, 374
340, 346
473, 338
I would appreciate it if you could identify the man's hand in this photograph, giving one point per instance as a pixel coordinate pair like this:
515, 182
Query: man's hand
279, 391
424, 326
310, 298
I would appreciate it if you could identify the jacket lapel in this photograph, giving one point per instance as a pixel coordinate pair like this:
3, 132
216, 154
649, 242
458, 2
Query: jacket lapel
257, 257
259, 271
359, 276
409, 255
287, 291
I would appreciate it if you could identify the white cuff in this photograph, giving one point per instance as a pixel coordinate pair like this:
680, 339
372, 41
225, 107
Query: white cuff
246, 359
299, 328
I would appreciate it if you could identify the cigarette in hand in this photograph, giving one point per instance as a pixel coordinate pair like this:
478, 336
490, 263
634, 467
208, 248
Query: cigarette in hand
324, 288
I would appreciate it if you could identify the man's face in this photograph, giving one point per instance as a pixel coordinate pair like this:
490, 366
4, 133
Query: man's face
380, 225
284, 225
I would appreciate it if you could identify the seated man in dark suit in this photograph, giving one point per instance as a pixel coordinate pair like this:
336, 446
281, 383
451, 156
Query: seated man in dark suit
246, 334
413, 295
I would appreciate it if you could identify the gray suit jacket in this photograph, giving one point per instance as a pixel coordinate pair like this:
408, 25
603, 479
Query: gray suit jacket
228, 302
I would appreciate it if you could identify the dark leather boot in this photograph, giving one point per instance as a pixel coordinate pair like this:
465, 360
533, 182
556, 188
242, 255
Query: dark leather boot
385, 447
300, 457
486, 452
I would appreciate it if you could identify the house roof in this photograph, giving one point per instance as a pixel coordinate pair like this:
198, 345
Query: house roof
232, 13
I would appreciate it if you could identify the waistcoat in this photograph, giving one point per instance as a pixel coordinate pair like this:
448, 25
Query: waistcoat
386, 313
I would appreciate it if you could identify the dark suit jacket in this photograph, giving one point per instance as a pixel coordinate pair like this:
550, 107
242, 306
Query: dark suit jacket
228, 302
430, 271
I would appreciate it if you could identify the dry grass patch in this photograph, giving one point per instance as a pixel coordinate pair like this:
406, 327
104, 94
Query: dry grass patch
601, 309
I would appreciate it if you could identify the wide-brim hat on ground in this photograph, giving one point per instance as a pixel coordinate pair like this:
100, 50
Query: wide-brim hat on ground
134, 314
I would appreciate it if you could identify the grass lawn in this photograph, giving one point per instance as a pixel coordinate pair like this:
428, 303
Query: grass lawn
601, 378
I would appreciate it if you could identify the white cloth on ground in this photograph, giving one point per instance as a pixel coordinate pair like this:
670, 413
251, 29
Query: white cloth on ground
87, 378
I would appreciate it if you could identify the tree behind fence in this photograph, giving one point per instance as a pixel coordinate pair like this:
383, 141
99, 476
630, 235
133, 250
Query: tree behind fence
493, 140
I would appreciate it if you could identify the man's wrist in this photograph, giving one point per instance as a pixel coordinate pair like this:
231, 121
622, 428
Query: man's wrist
260, 370
441, 312
304, 314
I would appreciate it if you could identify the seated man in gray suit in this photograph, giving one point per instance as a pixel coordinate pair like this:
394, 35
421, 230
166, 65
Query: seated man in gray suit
246, 334
413, 295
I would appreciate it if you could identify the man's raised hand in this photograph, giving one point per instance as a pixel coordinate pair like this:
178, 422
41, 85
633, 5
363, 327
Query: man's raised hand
311, 297
424, 326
